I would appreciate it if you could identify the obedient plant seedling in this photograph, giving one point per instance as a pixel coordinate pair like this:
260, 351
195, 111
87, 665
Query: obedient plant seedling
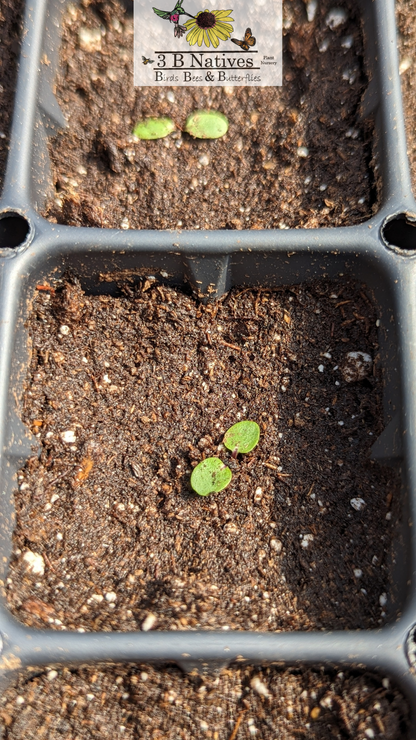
242, 437
154, 128
201, 124
206, 124
210, 476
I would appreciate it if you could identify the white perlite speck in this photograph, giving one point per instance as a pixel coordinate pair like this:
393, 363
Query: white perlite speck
149, 622
311, 8
204, 160
326, 702
404, 65
51, 675
258, 494
230, 528
89, 39
382, 599
324, 45
64, 330
347, 42
302, 151
98, 598
321, 368
356, 366
335, 18
276, 545
68, 437
259, 687
358, 572
33, 563
306, 539
357, 503
111, 596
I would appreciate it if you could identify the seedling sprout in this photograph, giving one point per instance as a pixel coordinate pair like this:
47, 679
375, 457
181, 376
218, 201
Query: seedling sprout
201, 124
242, 437
154, 128
206, 124
210, 476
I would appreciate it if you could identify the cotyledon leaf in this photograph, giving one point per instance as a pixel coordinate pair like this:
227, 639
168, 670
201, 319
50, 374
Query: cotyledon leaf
242, 437
210, 476
154, 128
206, 124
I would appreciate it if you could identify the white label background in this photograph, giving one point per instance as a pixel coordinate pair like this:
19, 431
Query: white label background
154, 39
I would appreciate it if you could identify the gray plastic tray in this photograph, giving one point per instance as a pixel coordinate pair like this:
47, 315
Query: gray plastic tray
381, 252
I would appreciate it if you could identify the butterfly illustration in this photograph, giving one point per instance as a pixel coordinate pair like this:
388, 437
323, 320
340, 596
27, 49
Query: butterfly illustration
249, 40
147, 61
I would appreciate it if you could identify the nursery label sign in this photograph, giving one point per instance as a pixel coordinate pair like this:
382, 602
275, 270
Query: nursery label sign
191, 45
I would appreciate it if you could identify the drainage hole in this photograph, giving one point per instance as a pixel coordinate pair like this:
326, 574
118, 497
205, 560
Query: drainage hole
400, 232
13, 230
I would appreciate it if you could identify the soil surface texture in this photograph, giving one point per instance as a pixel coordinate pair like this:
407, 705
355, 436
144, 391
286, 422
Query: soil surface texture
406, 23
127, 394
142, 702
10, 31
257, 176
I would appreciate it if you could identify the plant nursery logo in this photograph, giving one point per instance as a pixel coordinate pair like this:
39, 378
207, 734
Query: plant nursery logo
194, 46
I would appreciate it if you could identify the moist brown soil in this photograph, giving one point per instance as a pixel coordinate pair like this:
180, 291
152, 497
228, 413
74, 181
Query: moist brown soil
10, 30
150, 704
406, 23
253, 176
141, 701
148, 383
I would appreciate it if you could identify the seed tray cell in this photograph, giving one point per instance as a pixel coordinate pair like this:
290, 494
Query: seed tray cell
254, 177
139, 387
379, 252
158, 701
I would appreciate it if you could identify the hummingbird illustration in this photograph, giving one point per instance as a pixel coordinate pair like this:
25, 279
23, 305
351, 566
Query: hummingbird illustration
173, 16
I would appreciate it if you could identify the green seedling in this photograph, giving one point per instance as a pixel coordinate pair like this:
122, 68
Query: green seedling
154, 128
206, 124
242, 437
210, 476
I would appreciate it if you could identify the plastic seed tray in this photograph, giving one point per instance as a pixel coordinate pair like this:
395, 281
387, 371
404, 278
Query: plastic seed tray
381, 252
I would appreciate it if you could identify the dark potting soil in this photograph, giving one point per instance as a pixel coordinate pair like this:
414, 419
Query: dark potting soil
251, 178
127, 394
10, 31
406, 23
142, 702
